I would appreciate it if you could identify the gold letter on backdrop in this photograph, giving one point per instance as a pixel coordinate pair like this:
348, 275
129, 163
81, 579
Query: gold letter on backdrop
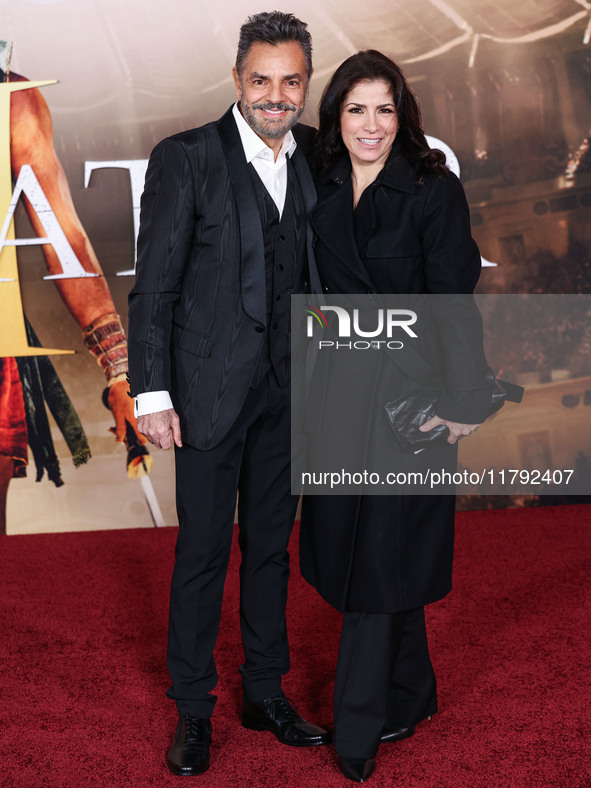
13, 337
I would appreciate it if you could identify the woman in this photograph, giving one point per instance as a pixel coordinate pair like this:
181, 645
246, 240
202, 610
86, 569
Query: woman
390, 218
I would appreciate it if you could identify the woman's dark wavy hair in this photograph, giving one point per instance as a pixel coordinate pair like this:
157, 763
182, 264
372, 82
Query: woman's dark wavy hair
371, 65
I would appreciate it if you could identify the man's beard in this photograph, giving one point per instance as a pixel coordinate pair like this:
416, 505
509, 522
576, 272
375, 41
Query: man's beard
267, 127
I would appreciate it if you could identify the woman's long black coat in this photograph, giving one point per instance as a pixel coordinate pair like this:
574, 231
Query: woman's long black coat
390, 553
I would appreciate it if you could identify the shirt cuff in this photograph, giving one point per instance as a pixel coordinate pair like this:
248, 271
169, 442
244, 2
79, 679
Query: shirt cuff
151, 402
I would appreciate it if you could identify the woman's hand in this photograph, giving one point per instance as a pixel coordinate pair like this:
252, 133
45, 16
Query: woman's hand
456, 429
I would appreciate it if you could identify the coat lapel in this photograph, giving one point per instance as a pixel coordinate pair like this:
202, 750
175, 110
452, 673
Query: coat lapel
332, 221
252, 250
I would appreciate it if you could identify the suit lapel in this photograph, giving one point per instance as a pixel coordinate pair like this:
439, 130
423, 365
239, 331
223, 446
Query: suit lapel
304, 175
308, 190
252, 250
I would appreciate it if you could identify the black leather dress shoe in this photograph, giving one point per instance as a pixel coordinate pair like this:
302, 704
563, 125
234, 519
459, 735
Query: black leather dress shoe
279, 716
189, 753
396, 734
357, 769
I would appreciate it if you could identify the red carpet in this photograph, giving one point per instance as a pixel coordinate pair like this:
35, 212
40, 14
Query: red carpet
83, 673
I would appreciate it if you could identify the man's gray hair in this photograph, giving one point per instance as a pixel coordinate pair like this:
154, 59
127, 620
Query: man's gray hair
273, 27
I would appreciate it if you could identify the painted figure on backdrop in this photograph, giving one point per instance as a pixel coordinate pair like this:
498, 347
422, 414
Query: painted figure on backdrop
390, 218
26, 383
223, 242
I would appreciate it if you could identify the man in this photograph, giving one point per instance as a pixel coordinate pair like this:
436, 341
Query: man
223, 242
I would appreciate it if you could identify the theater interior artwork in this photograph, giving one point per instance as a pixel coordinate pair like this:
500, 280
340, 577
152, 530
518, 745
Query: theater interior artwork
88, 87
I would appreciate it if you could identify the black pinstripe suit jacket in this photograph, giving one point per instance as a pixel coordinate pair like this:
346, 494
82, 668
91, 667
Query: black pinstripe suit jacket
197, 312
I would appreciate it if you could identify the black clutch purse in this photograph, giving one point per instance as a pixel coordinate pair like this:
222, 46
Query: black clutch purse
407, 413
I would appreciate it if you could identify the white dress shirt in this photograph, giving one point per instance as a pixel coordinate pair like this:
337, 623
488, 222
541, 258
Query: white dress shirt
273, 174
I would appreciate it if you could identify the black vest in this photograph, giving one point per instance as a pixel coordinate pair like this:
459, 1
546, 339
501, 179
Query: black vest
285, 264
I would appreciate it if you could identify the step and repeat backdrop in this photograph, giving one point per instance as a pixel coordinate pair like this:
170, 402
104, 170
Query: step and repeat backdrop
88, 87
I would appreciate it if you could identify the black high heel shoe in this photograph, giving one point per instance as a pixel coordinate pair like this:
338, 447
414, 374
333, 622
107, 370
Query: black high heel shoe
391, 734
357, 769
398, 734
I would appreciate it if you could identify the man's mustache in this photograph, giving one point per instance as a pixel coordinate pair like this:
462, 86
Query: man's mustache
269, 105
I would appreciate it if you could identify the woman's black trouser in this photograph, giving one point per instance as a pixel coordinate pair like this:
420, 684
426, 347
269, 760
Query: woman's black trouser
384, 679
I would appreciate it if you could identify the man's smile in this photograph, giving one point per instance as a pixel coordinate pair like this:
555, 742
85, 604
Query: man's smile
274, 110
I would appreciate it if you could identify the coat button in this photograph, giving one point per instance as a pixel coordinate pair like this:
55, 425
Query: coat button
489, 377
259, 329
371, 294
282, 238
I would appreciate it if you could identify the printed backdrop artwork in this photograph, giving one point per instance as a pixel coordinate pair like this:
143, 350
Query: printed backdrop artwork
505, 86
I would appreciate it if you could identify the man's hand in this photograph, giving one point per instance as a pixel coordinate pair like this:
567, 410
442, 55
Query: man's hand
456, 430
161, 428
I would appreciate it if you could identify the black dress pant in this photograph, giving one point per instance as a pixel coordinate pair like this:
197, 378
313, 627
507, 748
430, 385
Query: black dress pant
384, 679
254, 458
